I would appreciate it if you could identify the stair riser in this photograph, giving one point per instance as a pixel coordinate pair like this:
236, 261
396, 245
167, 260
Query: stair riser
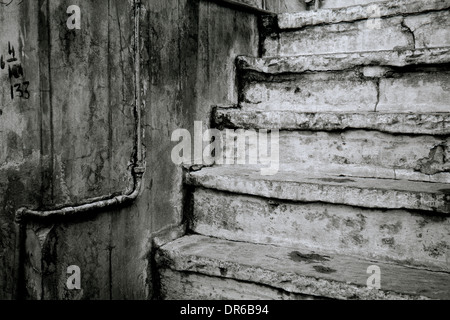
356, 153
344, 3
350, 91
302, 186
177, 285
386, 234
360, 10
396, 123
426, 30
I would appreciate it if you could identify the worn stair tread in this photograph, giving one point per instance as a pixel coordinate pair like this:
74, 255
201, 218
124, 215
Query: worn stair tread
399, 236
358, 12
343, 61
408, 123
305, 187
300, 271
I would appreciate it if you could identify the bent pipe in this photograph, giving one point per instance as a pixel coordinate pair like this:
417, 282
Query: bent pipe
23, 214
137, 172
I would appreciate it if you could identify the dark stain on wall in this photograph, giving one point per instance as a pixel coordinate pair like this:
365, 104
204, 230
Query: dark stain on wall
307, 257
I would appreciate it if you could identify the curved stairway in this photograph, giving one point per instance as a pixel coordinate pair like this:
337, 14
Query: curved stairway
363, 113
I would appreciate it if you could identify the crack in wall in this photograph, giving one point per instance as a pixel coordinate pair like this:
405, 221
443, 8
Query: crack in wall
377, 86
407, 29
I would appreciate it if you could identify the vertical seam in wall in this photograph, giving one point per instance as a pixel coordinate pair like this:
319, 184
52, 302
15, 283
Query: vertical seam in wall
180, 73
40, 114
110, 114
110, 147
208, 32
110, 249
50, 96
137, 110
149, 102
50, 106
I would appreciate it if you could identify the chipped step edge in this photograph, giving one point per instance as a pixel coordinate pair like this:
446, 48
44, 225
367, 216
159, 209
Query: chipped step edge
249, 182
406, 123
194, 259
359, 12
343, 61
167, 235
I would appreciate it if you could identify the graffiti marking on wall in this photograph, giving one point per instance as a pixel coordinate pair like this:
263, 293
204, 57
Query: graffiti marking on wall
18, 84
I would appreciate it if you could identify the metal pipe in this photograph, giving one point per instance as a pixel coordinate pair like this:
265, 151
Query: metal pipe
138, 170
23, 213
137, 34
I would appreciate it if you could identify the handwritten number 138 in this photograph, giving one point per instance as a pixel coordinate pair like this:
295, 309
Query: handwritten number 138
21, 90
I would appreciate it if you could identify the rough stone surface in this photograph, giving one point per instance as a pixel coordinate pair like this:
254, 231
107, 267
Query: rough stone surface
357, 10
342, 61
345, 3
324, 91
416, 90
299, 186
407, 123
298, 270
437, 160
359, 153
395, 235
342, 37
428, 92
193, 286
428, 30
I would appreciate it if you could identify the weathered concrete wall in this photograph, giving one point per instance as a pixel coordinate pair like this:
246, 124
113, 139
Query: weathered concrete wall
69, 137
73, 138
22, 158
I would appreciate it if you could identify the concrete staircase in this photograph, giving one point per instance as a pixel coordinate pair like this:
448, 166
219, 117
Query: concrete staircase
363, 110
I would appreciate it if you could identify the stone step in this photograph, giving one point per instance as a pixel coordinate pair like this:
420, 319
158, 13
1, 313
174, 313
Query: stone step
416, 81
210, 267
375, 145
335, 11
344, 3
351, 153
305, 187
403, 236
406, 123
402, 26
344, 61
